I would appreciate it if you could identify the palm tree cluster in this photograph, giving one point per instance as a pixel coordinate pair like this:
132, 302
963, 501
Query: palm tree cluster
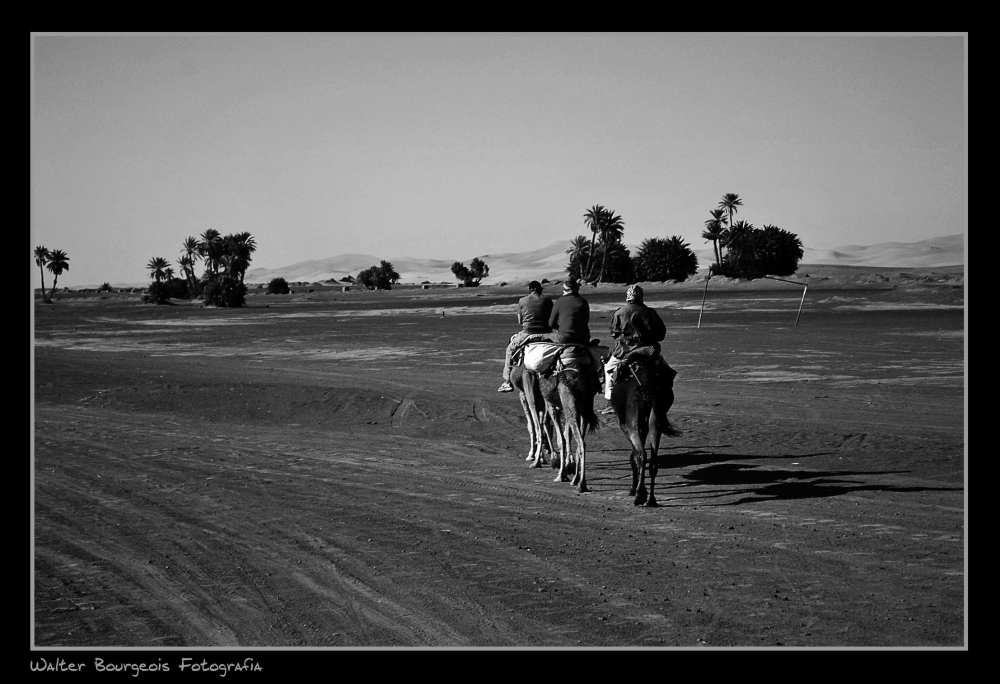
56, 261
750, 252
611, 260
472, 274
165, 285
657, 259
381, 277
756, 252
665, 259
226, 258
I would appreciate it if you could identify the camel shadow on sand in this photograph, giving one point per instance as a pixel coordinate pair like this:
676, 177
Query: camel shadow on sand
719, 477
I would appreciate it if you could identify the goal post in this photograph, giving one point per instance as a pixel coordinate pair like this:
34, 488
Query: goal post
805, 288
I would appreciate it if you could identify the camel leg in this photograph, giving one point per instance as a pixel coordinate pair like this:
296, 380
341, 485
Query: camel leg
640, 492
553, 431
544, 437
581, 465
565, 446
654, 446
658, 421
631, 459
552, 436
638, 435
532, 435
537, 410
633, 431
574, 431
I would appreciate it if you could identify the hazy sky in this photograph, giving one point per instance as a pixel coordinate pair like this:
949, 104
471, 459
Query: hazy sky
451, 146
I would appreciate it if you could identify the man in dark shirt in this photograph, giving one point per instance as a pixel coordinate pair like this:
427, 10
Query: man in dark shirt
533, 312
570, 318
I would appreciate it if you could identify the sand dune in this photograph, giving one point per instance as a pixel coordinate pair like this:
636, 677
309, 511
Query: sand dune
550, 262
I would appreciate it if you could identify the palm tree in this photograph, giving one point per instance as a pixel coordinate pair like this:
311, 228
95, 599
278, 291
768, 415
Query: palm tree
41, 258
157, 268
592, 219
210, 249
740, 242
190, 258
729, 203
243, 245
186, 262
616, 261
612, 228
577, 256
714, 231
57, 263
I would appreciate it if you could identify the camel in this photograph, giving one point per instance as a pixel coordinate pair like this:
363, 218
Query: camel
540, 422
641, 407
568, 393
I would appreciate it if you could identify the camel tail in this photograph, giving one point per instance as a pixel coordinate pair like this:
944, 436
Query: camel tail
590, 420
667, 428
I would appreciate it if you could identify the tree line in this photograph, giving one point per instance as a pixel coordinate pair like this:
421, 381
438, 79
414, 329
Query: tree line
383, 276
603, 257
741, 250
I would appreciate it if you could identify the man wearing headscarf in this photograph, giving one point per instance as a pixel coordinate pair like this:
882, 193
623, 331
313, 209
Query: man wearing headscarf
533, 312
634, 325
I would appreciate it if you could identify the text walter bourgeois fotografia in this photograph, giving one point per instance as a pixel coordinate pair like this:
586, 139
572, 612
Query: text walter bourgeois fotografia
173, 665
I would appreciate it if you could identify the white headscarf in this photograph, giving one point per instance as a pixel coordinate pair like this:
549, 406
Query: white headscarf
633, 294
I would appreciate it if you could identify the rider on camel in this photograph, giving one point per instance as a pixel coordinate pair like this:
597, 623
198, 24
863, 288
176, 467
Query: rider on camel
570, 322
633, 326
533, 312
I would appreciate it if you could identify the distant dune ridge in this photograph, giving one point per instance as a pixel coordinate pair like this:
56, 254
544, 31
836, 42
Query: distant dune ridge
550, 262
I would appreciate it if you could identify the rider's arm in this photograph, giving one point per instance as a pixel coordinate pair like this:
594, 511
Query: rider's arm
616, 325
657, 329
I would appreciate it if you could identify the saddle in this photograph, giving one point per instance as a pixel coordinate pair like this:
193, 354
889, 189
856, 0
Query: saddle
547, 357
663, 374
518, 354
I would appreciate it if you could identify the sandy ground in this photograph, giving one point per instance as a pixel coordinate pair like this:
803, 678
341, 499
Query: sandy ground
337, 470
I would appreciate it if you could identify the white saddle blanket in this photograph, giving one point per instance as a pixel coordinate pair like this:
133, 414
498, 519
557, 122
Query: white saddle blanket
541, 356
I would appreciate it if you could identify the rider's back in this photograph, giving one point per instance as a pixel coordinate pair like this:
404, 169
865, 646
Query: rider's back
534, 310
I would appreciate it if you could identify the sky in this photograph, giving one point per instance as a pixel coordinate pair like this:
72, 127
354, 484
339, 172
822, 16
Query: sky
451, 146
